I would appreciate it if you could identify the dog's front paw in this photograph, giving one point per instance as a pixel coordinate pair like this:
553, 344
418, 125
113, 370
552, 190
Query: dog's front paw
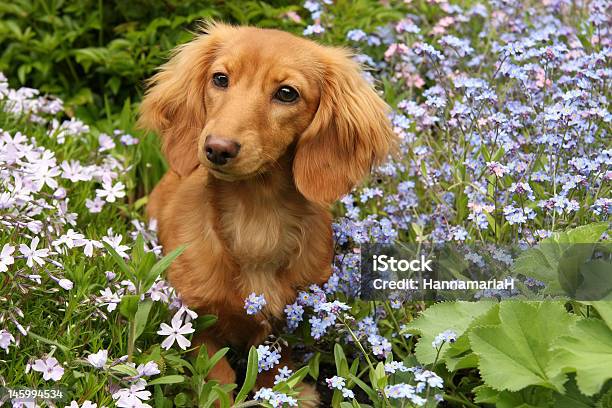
309, 396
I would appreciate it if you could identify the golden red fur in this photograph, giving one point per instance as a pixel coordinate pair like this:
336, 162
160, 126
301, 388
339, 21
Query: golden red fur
259, 222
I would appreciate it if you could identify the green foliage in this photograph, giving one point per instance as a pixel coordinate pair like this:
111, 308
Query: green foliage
251, 376
455, 316
563, 263
515, 354
528, 354
96, 54
587, 351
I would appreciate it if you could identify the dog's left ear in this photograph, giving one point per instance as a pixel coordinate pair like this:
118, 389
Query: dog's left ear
350, 132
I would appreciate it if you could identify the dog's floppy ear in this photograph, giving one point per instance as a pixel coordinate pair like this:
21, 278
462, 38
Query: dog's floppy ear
173, 105
350, 132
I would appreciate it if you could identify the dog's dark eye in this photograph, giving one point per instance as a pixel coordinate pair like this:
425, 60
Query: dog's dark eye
220, 79
286, 94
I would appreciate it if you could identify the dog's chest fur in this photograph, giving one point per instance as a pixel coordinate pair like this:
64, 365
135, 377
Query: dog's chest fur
264, 232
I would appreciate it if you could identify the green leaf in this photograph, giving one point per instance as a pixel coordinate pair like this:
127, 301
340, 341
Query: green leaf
549, 263
341, 363
313, 365
604, 308
180, 400
570, 263
515, 354
296, 377
223, 397
251, 376
142, 316
118, 260
573, 398
138, 250
215, 359
532, 397
455, 316
48, 341
587, 350
368, 390
485, 395
606, 400
459, 355
168, 379
201, 362
129, 306
162, 265
380, 376
204, 322
597, 281
124, 369
587, 234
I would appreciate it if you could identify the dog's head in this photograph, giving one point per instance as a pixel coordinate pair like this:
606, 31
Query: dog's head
236, 99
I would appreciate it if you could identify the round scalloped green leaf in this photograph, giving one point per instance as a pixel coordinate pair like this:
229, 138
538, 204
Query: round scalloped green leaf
455, 316
515, 354
587, 350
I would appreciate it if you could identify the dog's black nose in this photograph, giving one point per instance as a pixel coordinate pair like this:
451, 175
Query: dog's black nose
219, 150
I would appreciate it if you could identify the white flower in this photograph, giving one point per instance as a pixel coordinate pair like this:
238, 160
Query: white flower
115, 242
109, 299
133, 396
50, 368
98, 359
66, 284
148, 369
175, 333
33, 254
95, 205
45, 175
111, 192
71, 239
89, 246
74, 172
189, 314
6, 258
6, 339
106, 142
86, 404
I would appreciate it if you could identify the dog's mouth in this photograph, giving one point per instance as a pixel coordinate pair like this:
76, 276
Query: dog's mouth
227, 175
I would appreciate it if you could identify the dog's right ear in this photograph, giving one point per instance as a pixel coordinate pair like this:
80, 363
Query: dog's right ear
173, 105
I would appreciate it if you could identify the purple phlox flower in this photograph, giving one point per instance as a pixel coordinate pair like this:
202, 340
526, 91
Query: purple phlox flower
49, 367
98, 360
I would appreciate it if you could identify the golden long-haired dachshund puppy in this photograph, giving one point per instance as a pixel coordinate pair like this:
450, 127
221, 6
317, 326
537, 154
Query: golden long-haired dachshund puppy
262, 130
